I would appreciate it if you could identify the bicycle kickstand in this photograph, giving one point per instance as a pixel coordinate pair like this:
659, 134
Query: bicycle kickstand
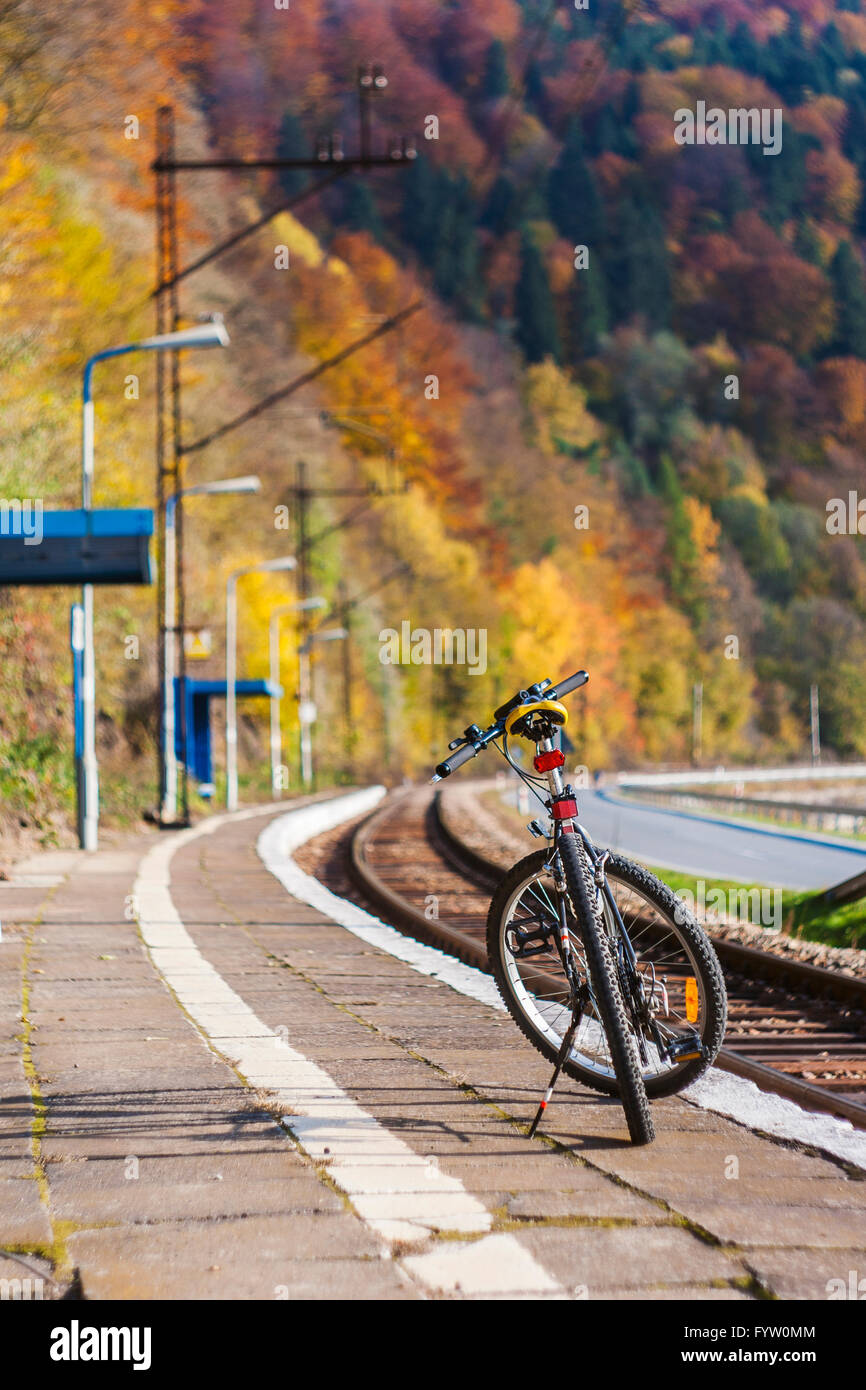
560, 1063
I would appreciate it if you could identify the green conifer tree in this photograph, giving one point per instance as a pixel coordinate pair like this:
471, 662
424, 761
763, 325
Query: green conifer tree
849, 293
420, 215
494, 83
638, 264
501, 211
292, 143
534, 309
576, 208
456, 268
587, 311
360, 212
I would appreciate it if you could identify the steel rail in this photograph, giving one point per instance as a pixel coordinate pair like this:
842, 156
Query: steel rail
815, 981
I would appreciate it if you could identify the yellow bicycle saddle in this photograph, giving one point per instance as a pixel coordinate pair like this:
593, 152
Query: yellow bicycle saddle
551, 709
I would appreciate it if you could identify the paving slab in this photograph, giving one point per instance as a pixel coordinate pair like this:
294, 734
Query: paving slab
254, 1258
631, 1257
776, 1223
135, 1202
23, 1216
604, 1202
805, 1274
167, 1176
27, 1279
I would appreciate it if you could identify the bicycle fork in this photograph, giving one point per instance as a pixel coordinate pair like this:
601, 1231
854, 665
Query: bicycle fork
550, 759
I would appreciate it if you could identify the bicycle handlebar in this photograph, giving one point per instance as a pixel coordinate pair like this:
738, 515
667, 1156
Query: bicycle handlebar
565, 687
455, 760
472, 747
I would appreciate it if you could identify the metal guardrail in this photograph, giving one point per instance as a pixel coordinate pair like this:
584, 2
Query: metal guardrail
850, 891
832, 772
851, 819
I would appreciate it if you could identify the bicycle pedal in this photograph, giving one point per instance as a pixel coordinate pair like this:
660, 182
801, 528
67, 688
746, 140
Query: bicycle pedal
523, 939
536, 828
686, 1049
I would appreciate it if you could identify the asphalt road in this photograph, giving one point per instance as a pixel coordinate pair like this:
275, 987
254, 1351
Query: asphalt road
714, 848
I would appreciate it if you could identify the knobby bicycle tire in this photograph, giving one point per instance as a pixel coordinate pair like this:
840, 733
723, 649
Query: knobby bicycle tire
605, 985
606, 990
682, 924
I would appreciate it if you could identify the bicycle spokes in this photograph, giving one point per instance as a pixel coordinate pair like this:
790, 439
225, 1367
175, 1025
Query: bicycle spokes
658, 978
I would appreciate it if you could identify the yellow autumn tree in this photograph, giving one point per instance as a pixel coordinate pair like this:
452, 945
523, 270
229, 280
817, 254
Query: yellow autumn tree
560, 420
557, 629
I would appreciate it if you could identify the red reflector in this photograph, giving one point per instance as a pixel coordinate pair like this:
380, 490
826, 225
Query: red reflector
563, 810
543, 762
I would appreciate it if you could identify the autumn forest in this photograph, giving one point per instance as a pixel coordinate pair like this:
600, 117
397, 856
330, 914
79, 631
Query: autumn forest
625, 428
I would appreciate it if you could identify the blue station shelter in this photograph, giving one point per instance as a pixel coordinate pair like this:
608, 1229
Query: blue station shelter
192, 701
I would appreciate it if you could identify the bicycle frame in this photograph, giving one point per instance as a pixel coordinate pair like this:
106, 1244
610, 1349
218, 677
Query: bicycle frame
626, 955
596, 855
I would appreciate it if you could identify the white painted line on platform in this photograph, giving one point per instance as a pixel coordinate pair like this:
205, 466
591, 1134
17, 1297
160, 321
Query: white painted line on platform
484, 1268
33, 881
397, 1193
745, 1102
718, 1091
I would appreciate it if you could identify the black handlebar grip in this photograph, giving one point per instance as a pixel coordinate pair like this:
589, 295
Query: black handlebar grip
456, 760
570, 683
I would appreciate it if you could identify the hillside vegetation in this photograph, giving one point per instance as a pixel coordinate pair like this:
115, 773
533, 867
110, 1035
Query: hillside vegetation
625, 466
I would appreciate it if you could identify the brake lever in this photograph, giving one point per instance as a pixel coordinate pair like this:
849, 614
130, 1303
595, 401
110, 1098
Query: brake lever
470, 735
474, 735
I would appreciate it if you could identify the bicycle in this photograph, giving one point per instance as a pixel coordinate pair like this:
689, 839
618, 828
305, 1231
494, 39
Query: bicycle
600, 965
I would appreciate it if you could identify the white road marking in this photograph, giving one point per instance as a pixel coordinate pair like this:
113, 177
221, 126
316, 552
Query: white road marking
718, 1091
399, 1194
485, 1268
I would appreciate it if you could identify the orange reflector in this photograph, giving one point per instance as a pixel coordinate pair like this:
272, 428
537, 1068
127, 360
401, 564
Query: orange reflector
691, 999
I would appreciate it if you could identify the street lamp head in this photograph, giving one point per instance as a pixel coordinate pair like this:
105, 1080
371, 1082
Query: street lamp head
203, 335
331, 634
304, 605
220, 486
248, 483
286, 562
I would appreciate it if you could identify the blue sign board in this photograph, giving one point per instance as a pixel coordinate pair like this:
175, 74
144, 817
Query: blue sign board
103, 546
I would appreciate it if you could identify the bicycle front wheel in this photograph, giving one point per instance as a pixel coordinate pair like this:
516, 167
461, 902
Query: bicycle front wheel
603, 1032
676, 964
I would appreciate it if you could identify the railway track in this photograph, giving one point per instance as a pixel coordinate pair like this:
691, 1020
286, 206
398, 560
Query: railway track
796, 1029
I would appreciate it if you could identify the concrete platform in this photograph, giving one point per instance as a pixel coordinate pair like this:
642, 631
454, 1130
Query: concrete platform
266, 1106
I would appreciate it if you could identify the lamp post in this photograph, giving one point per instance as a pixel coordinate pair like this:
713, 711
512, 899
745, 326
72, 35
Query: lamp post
307, 605
286, 562
211, 334
247, 484
306, 709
